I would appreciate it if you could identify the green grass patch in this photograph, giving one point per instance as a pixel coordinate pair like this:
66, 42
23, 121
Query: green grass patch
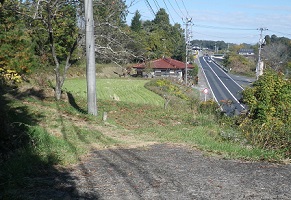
206, 138
126, 90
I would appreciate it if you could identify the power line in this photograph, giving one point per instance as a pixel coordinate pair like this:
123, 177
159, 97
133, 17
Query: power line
224, 28
185, 8
157, 5
222, 37
169, 11
174, 9
179, 7
280, 32
150, 7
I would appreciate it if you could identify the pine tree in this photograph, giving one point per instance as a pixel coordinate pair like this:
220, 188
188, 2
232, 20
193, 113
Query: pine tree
136, 22
16, 49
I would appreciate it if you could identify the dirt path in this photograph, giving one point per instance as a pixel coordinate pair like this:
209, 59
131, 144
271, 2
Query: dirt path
164, 171
161, 171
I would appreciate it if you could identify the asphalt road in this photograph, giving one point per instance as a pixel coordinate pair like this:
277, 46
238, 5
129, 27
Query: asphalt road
226, 89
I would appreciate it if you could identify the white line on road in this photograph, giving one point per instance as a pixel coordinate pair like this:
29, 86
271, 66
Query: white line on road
224, 85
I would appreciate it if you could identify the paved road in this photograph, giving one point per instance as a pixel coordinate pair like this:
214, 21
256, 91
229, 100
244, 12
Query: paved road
226, 91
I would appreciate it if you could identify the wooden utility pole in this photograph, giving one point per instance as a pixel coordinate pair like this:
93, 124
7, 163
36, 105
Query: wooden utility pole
90, 62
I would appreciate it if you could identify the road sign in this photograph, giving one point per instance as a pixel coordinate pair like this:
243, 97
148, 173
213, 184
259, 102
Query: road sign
205, 91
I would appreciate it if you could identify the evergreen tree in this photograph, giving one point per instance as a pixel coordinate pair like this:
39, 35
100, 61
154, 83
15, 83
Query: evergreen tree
163, 39
108, 11
16, 49
162, 19
136, 22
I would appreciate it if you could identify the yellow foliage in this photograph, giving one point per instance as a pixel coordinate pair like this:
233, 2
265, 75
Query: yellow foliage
10, 75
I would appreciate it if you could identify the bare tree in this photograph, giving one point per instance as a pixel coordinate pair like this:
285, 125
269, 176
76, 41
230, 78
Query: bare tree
114, 40
275, 55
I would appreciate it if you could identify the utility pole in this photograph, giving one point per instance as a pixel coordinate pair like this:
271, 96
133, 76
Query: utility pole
259, 68
215, 48
187, 40
90, 62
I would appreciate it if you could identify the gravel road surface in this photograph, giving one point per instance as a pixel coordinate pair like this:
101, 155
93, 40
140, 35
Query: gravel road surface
165, 171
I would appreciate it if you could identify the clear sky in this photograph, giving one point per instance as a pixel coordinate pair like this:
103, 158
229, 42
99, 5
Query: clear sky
234, 21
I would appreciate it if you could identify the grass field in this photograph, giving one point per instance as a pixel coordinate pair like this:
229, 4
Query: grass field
126, 90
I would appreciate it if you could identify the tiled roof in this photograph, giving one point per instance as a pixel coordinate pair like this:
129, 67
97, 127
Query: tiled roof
164, 63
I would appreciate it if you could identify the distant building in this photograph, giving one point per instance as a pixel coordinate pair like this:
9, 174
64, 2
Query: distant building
246, 52
166, 67
197, 48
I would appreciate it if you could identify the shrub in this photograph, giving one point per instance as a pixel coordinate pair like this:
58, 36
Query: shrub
9, 76
269, 121
208, 107
169, 87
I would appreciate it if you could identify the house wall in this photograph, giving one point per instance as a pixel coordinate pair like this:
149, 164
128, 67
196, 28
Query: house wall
168, 72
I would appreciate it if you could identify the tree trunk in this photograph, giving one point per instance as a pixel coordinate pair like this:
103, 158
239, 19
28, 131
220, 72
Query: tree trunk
58, 88
90, 54
60, 76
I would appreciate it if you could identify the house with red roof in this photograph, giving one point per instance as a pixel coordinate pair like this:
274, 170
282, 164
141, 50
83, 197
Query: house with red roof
166, 67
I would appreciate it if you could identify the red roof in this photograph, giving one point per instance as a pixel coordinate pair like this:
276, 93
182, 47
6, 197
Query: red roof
164, 63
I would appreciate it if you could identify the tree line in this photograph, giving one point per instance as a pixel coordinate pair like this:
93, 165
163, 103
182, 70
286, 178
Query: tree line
50, 34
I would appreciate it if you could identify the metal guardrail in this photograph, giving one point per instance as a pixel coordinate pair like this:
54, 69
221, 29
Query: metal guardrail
221, 66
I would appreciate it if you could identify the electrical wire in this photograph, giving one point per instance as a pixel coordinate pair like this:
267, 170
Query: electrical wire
169, 11
150, 7
179, 8
280, 32
185, 8
157, 5
224, 37
201, 25
174, 9
224, 28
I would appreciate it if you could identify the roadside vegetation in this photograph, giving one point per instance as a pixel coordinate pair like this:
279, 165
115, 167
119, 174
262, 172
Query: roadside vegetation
268, 123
